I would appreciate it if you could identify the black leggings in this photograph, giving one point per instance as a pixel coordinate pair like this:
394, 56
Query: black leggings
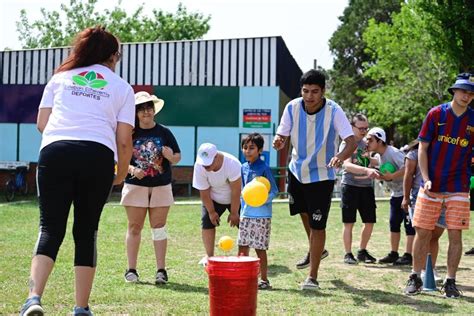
79, 173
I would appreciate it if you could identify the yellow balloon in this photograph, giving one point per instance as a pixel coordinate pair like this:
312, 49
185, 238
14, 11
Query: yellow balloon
265, 181
255, 193
226, 243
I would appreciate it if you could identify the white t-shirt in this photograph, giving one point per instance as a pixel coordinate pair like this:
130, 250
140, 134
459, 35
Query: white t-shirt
86, 104
219, 181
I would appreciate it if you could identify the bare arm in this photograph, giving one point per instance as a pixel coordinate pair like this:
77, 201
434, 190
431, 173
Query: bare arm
43, 118
356, 169
393, 176
172, 157
410, 169
235, 187
423, 163
123, 138
209, 205
346, 153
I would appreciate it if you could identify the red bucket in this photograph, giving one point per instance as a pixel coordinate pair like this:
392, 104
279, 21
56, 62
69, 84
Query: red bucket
233, 285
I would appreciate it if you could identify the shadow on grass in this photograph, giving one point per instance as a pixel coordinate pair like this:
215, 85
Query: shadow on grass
306, 293
177, 287
361, 296
276, 269
407, 268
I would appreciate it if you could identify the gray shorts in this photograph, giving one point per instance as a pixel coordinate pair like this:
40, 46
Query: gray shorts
255, 232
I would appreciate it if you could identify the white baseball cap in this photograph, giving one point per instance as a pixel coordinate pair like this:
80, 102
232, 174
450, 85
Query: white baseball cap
206, 154
378, 132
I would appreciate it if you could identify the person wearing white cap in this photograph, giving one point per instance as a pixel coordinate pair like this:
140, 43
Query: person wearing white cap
217, 176
393, 158
444, 157
147, 188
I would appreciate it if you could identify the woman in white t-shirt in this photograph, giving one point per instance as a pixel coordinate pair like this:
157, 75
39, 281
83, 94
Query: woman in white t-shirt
86, 116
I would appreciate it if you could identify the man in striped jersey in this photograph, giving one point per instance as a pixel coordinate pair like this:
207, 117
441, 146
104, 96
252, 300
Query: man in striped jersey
314, 125
444, 157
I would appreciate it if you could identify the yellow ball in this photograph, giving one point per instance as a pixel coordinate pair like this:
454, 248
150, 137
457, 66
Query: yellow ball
255, 193
264, 181
226, 243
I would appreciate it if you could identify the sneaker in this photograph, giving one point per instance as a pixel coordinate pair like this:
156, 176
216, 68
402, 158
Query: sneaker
203, 261
414, 285
81, 311
324, 254
161, 277
131, 275
32, 307
390, 258
310, 284
469, 252
349, 258
404, 260
304, 262
264, 285
364, 256
450, 290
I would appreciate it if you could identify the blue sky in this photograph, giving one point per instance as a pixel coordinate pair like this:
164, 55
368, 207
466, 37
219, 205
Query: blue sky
305, 25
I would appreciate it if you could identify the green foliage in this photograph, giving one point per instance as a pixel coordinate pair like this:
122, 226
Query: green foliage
411, 71
349, 49
456, 35
57, 28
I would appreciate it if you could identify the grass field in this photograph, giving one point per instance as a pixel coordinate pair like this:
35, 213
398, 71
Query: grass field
361, 289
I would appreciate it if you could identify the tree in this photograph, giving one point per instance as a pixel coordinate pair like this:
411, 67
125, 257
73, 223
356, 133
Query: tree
456, 36
411, 71
58, 28
349, 49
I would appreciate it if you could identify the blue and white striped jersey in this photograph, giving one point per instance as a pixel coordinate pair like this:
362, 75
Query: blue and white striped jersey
314, 137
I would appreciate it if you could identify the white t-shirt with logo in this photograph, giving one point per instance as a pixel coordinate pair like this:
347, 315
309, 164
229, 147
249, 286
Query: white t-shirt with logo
86, 105
219, 181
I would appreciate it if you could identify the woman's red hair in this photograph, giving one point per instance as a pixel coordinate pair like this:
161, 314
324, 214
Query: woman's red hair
94, 45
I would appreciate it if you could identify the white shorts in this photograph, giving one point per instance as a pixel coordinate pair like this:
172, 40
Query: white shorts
148, 197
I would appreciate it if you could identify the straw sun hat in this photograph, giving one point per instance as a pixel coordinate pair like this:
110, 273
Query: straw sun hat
144, 97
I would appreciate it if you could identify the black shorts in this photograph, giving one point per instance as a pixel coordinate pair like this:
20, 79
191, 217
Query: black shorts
219, 208
357, 198
313, 198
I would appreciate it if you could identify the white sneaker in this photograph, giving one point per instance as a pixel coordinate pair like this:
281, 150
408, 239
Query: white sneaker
131, 276
310, 284
203, 261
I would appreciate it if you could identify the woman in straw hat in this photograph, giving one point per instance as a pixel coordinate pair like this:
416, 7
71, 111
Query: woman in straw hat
86, 116
147, 187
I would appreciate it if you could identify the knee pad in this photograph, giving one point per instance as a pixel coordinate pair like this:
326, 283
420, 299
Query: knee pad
159, 233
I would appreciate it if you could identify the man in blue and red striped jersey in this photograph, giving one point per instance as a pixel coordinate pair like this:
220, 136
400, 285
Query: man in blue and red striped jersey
445, 150
315, 125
